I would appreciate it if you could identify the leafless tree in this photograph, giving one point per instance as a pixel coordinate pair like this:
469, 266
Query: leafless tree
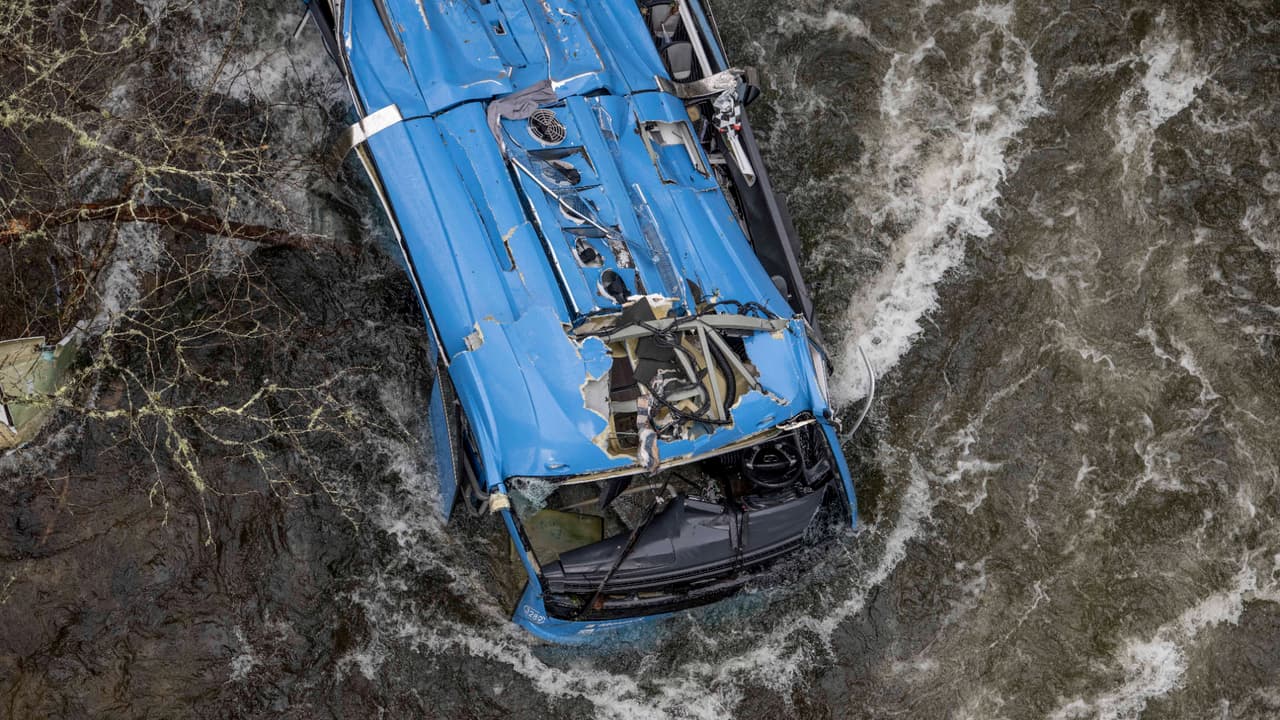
143, 170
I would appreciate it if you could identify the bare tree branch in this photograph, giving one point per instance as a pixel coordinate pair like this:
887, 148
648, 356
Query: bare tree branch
121, 210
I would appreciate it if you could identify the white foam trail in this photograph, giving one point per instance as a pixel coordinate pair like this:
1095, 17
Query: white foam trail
138, 251
243, 663
950, 182
939, 160
790, 23
1153, 666
1173, 76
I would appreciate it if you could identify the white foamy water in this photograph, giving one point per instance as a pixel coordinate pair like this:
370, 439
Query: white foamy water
947, 172
138, 250
792, 22
938, 161
936, 605
1154, 665
246, 660
1169, 84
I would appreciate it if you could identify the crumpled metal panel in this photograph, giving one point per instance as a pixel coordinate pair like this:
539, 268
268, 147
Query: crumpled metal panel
523, 390
456, 51
380, 77
495, 251
443, 232
674, 231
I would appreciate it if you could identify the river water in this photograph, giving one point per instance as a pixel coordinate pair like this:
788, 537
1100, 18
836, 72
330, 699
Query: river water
1055, 230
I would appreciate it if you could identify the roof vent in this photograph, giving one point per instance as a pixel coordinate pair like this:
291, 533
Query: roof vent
546, 127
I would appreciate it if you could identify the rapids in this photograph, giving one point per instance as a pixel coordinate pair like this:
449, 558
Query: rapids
1053, 227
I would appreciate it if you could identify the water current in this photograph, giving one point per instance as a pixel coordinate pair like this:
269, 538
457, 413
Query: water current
1053, 227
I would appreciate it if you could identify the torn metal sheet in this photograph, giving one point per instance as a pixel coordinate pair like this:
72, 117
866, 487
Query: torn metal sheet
368, 126
704, 87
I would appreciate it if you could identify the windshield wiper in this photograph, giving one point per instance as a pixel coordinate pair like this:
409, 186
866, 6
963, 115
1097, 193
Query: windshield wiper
597, 597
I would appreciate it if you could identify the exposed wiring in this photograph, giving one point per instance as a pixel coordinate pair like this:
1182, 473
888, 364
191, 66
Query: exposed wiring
669, 338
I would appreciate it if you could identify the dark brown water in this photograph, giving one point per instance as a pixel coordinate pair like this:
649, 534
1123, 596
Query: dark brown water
1054, 228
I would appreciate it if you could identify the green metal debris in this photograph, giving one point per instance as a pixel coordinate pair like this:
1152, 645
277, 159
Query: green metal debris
31, 372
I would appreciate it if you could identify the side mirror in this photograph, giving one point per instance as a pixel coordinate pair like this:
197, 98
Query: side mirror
678, 57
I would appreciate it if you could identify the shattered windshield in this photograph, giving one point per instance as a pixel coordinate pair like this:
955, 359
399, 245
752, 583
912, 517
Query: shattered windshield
561, 515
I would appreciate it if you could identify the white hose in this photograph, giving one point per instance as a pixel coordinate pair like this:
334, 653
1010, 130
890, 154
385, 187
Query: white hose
871, 394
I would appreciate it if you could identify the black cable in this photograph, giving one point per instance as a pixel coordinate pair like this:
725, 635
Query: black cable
669, 339
680, 416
